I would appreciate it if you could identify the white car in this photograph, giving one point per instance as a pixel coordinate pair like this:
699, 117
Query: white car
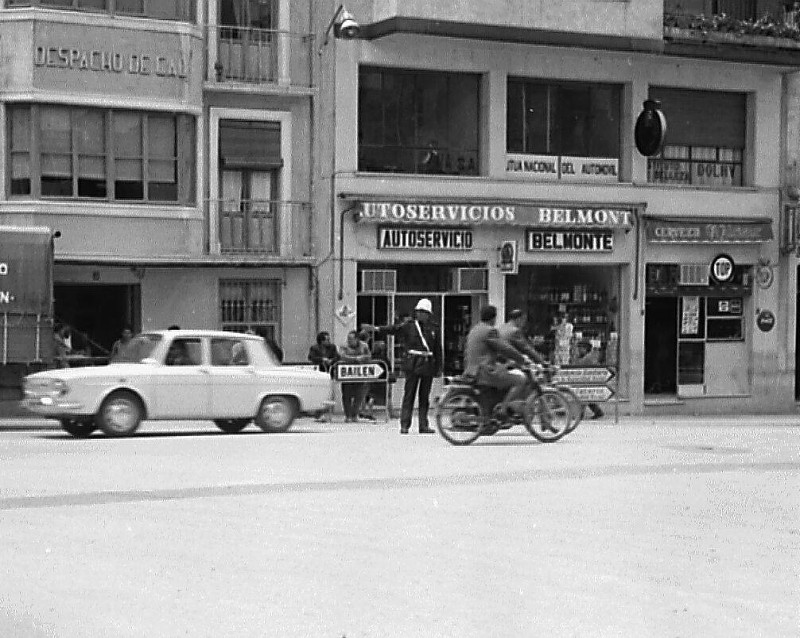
226, 377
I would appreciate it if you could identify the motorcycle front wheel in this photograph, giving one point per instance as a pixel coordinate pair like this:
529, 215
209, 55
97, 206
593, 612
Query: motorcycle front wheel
547, 415
459, 417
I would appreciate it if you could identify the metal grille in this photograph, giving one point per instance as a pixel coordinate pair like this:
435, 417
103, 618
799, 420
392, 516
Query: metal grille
693, 275
251, 305
471, 279
378, 281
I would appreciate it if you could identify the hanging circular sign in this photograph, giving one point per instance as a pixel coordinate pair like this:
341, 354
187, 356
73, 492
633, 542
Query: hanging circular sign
650, 129
722, 269
764, 276
765, 321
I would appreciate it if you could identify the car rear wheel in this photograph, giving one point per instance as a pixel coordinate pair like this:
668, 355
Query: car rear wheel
276, 414
120, 414
232, 426
79, 428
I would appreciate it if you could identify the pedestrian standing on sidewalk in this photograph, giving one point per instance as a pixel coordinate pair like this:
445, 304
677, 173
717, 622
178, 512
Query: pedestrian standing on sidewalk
587, 357
353, 392
421, 362
324, 353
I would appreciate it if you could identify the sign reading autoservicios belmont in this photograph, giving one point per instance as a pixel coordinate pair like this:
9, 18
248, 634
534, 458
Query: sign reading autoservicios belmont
500, 214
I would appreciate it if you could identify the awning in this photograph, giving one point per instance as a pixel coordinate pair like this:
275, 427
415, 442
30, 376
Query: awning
707, 230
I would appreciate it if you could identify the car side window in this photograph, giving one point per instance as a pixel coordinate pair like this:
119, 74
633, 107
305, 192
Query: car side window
229, 352
184, 352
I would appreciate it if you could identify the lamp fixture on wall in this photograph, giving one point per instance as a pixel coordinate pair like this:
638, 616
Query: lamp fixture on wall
343, 24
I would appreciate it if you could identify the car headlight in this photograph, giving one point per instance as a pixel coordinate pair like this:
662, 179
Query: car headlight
60, 386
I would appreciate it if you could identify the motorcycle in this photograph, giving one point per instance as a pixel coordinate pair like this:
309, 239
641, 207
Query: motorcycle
468, 410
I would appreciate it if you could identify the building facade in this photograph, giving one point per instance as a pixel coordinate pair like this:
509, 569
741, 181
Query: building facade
488, 156
167, 141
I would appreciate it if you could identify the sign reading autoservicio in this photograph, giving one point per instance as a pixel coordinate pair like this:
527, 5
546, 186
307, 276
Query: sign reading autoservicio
359, 371
593, 241
500, 214
424, 238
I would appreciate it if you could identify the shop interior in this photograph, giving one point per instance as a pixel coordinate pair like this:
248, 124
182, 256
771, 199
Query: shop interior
566, 305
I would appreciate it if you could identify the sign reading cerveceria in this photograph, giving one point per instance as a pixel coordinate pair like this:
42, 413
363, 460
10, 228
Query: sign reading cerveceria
425, 238
138, 63
496, 214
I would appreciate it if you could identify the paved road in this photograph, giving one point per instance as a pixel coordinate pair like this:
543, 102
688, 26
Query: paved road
657, 528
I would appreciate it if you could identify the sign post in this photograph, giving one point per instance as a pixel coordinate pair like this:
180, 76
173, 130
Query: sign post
590, 384
364, 372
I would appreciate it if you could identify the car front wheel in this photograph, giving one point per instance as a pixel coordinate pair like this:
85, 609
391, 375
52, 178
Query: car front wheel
120, 414
276, 414
79, 428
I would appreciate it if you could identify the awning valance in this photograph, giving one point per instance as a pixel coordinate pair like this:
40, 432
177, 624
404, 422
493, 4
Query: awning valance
707, 230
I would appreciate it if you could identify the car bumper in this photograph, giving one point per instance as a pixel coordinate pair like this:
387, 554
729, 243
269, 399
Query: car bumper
53, 406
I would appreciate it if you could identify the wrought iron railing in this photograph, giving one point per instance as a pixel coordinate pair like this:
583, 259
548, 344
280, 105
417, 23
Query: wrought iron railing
257, 226
258, 56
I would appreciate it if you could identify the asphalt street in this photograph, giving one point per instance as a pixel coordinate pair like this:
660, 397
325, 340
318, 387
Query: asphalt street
657, 527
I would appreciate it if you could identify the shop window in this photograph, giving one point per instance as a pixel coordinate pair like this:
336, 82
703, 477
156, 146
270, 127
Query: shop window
75, 146
418, 122
159, 9
251, 305
705, 138
565, 120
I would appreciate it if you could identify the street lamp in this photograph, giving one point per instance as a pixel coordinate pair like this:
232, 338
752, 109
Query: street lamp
344, 26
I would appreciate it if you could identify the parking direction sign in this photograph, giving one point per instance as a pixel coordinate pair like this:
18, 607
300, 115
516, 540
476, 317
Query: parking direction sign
593, 393
359, 371
584, 376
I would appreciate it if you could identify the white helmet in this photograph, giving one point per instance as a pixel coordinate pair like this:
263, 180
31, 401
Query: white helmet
424, 304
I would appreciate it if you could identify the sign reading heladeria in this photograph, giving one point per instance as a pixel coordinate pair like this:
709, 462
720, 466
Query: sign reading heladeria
424, 238
568, 240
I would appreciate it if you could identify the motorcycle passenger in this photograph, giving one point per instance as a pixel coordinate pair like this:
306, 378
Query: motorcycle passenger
513, 332
482, 359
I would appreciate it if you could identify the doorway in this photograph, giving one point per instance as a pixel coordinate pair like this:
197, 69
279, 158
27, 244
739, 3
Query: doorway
661, 345
97, 313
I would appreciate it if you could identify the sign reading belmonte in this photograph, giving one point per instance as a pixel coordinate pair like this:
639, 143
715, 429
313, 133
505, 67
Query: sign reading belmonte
466, 213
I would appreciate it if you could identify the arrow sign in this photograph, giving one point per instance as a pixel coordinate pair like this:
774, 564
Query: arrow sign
592, 376
593, 393
359, 371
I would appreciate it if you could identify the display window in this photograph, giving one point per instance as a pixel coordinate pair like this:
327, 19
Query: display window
567, 305
160, 9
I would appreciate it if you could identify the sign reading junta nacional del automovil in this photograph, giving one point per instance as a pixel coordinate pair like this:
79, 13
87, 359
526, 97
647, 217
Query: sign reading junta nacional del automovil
482, 214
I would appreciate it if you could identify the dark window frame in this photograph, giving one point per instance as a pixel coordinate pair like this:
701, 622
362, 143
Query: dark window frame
553, 147
35, 186
402, 114
185, 10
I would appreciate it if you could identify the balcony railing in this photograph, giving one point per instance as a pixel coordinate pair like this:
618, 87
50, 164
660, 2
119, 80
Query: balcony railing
257, 226
258, 56
733, 21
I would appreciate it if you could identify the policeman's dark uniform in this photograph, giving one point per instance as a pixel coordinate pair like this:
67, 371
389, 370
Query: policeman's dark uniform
422, 361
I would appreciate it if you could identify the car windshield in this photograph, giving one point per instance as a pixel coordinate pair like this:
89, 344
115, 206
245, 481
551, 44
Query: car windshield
138, 348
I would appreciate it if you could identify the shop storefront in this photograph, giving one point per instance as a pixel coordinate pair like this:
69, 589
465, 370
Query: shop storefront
561, 263
700, 314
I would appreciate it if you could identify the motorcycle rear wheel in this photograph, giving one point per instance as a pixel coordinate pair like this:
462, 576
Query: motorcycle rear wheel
575, 405
459, 417
547, 415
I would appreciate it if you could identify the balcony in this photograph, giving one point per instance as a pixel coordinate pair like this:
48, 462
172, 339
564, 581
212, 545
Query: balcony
756, 24
258, 56
264, 227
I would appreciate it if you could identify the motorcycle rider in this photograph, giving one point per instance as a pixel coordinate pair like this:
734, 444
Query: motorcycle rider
482, 353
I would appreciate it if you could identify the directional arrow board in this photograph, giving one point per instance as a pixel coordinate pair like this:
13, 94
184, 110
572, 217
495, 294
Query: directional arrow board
360, 371
591, 376
593, 393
